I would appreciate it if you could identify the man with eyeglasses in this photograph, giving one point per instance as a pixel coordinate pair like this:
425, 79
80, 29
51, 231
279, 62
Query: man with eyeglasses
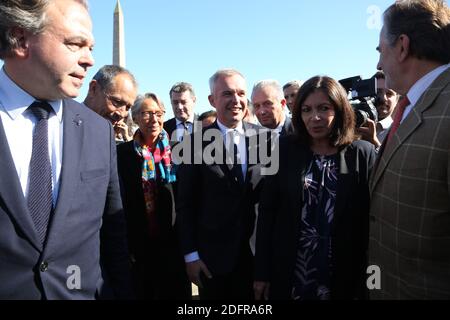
111, 94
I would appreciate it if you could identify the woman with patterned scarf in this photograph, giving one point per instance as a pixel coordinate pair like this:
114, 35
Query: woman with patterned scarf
146, 176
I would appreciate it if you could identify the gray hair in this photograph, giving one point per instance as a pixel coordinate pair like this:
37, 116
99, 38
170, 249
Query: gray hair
269, 83
105, 77
221, 73
28, 15
294, 83
137, 105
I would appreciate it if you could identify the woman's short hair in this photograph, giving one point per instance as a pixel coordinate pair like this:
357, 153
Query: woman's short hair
137, 105
343, 130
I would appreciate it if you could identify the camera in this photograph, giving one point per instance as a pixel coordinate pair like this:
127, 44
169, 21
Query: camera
363, 98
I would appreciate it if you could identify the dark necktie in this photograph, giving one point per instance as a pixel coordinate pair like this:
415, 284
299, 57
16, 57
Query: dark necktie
186, 128
185, 131
40, 173
399, 110
236, 166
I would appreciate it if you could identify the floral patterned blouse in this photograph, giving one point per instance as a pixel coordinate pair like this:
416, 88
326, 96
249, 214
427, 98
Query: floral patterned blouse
313, 264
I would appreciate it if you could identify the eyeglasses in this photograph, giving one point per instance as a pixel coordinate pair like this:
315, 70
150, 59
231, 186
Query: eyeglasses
118, 103
148, 114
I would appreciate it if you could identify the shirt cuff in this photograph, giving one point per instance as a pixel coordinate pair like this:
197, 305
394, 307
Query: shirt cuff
191, 257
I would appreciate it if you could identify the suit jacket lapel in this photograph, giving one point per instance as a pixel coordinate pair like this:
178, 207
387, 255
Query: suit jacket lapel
298, 161
223, 165
409, 124
70, 172
345, 183
11, 194
287, 127
252, 145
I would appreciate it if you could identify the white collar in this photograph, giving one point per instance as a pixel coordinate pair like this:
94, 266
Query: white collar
280, 126
224, 129
190, 120
386, 122
15, 100
416, 91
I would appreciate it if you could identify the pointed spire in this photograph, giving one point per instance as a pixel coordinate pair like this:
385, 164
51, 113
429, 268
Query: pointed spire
118, 7
118, 37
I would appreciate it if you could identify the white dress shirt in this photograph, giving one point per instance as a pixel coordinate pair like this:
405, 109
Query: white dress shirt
18, 123
416, 91
385, 125
238, 135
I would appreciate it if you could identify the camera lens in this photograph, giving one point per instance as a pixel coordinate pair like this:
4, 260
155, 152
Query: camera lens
360, 118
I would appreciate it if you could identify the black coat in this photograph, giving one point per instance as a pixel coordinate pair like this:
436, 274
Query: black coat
279, 215
216, 213
157, 262
171, 125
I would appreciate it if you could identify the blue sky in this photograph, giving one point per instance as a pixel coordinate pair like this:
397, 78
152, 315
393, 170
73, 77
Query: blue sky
179, 40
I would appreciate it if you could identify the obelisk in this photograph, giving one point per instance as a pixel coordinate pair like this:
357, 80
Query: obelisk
119, 37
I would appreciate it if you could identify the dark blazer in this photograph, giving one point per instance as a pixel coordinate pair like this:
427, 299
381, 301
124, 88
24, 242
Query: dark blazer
216, 213
87, 228
288, 127
171, 125
279, 213
158, 266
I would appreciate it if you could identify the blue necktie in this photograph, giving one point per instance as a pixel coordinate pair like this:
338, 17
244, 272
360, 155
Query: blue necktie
40, 172
236, 166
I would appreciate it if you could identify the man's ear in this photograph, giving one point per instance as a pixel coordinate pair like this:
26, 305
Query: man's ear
403, 43
93, 86
21, 36
211, 100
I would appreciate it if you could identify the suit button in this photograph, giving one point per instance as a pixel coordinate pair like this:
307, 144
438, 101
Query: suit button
44, 266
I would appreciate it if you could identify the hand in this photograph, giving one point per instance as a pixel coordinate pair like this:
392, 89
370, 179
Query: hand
261, 289
193, 270
369, 133
121, 129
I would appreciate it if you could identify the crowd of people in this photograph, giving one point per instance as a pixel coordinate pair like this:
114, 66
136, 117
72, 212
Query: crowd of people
93, 204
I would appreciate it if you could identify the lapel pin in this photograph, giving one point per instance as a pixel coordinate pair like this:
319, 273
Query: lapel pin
78, 121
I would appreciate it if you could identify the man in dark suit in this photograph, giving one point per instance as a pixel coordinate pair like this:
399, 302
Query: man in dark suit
61, 217
216, 200
410, 206
182, 98
269, 106
290, 91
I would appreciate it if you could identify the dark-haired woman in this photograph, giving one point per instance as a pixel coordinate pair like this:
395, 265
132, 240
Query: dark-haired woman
312, 230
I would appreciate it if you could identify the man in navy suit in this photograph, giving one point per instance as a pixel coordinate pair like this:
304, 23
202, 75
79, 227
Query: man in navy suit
182, 99
46, 48
216, 200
